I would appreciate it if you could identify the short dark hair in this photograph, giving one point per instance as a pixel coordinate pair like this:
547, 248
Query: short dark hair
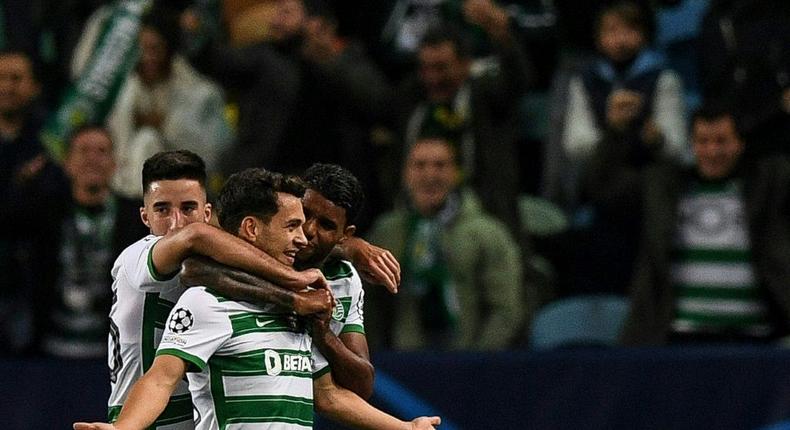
449, 143
164, 21
253, 192
87, 127
711, 112
637, 14
716, 110
172, 165
337, 185
446, 32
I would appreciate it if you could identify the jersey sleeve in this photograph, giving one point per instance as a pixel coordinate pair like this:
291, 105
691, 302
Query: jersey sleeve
195, 329
355, 322
138, 268
319, 362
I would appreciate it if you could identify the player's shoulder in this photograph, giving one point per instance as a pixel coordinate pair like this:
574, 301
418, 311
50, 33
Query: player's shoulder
201, 294
336, 268
137, 247
131, 253
208, 298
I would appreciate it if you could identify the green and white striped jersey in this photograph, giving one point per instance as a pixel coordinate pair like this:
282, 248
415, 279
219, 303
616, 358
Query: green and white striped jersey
142, 301
248, 368
712, 265
347, 288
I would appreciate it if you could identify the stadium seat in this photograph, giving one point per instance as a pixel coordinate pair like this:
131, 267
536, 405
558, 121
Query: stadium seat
585, 320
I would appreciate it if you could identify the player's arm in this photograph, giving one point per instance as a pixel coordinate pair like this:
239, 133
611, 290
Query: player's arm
376, 265
203, 239
148, 397
348, 356
345, 407
240, 285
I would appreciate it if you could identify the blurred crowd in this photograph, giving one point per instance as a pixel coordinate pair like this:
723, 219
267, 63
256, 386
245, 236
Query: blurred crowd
514, 154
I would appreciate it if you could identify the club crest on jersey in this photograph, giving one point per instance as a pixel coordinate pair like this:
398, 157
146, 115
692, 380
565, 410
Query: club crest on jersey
180, 320
339, 311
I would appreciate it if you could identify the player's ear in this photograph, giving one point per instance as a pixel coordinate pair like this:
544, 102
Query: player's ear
248, 229
144, 217
348, 232
207, 212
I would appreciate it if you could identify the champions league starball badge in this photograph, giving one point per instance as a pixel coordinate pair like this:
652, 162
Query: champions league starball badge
180, 321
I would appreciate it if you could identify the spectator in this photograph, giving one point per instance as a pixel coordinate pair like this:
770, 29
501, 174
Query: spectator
462, 276
87, 231
744, 61
626, 93
404, 24
626, 106
714, 260
24, 179
164, 105
477, 113
306, 95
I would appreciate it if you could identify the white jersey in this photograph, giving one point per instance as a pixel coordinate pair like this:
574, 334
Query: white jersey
346, 285
248, 366
142, 301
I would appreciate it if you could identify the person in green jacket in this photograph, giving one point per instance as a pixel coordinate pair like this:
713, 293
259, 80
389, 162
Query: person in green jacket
462, 272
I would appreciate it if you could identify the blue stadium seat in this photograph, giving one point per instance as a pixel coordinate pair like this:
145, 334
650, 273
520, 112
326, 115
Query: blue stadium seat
784, 425
584, 320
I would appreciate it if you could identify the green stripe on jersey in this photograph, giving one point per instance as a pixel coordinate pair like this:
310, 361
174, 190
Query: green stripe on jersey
254, 363
721, 320
717, 187
288, 409
713, 255
155, 313
742, 292
178, 409
321, 372
258, 322
196, 364
336, 269
255, 408
353, 328
152, 269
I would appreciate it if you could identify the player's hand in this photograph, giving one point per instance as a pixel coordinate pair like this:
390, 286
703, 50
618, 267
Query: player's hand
375, 265
487, 15
314, 302
622, 107
93, 426
425, 423
313, 278
320, 322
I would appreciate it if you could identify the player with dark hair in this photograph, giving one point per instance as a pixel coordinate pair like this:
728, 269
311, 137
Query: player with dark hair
146, 284
245, 363
333, 198
331, 203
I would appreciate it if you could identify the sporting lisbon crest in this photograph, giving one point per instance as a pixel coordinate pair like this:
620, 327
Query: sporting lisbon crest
339, 311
